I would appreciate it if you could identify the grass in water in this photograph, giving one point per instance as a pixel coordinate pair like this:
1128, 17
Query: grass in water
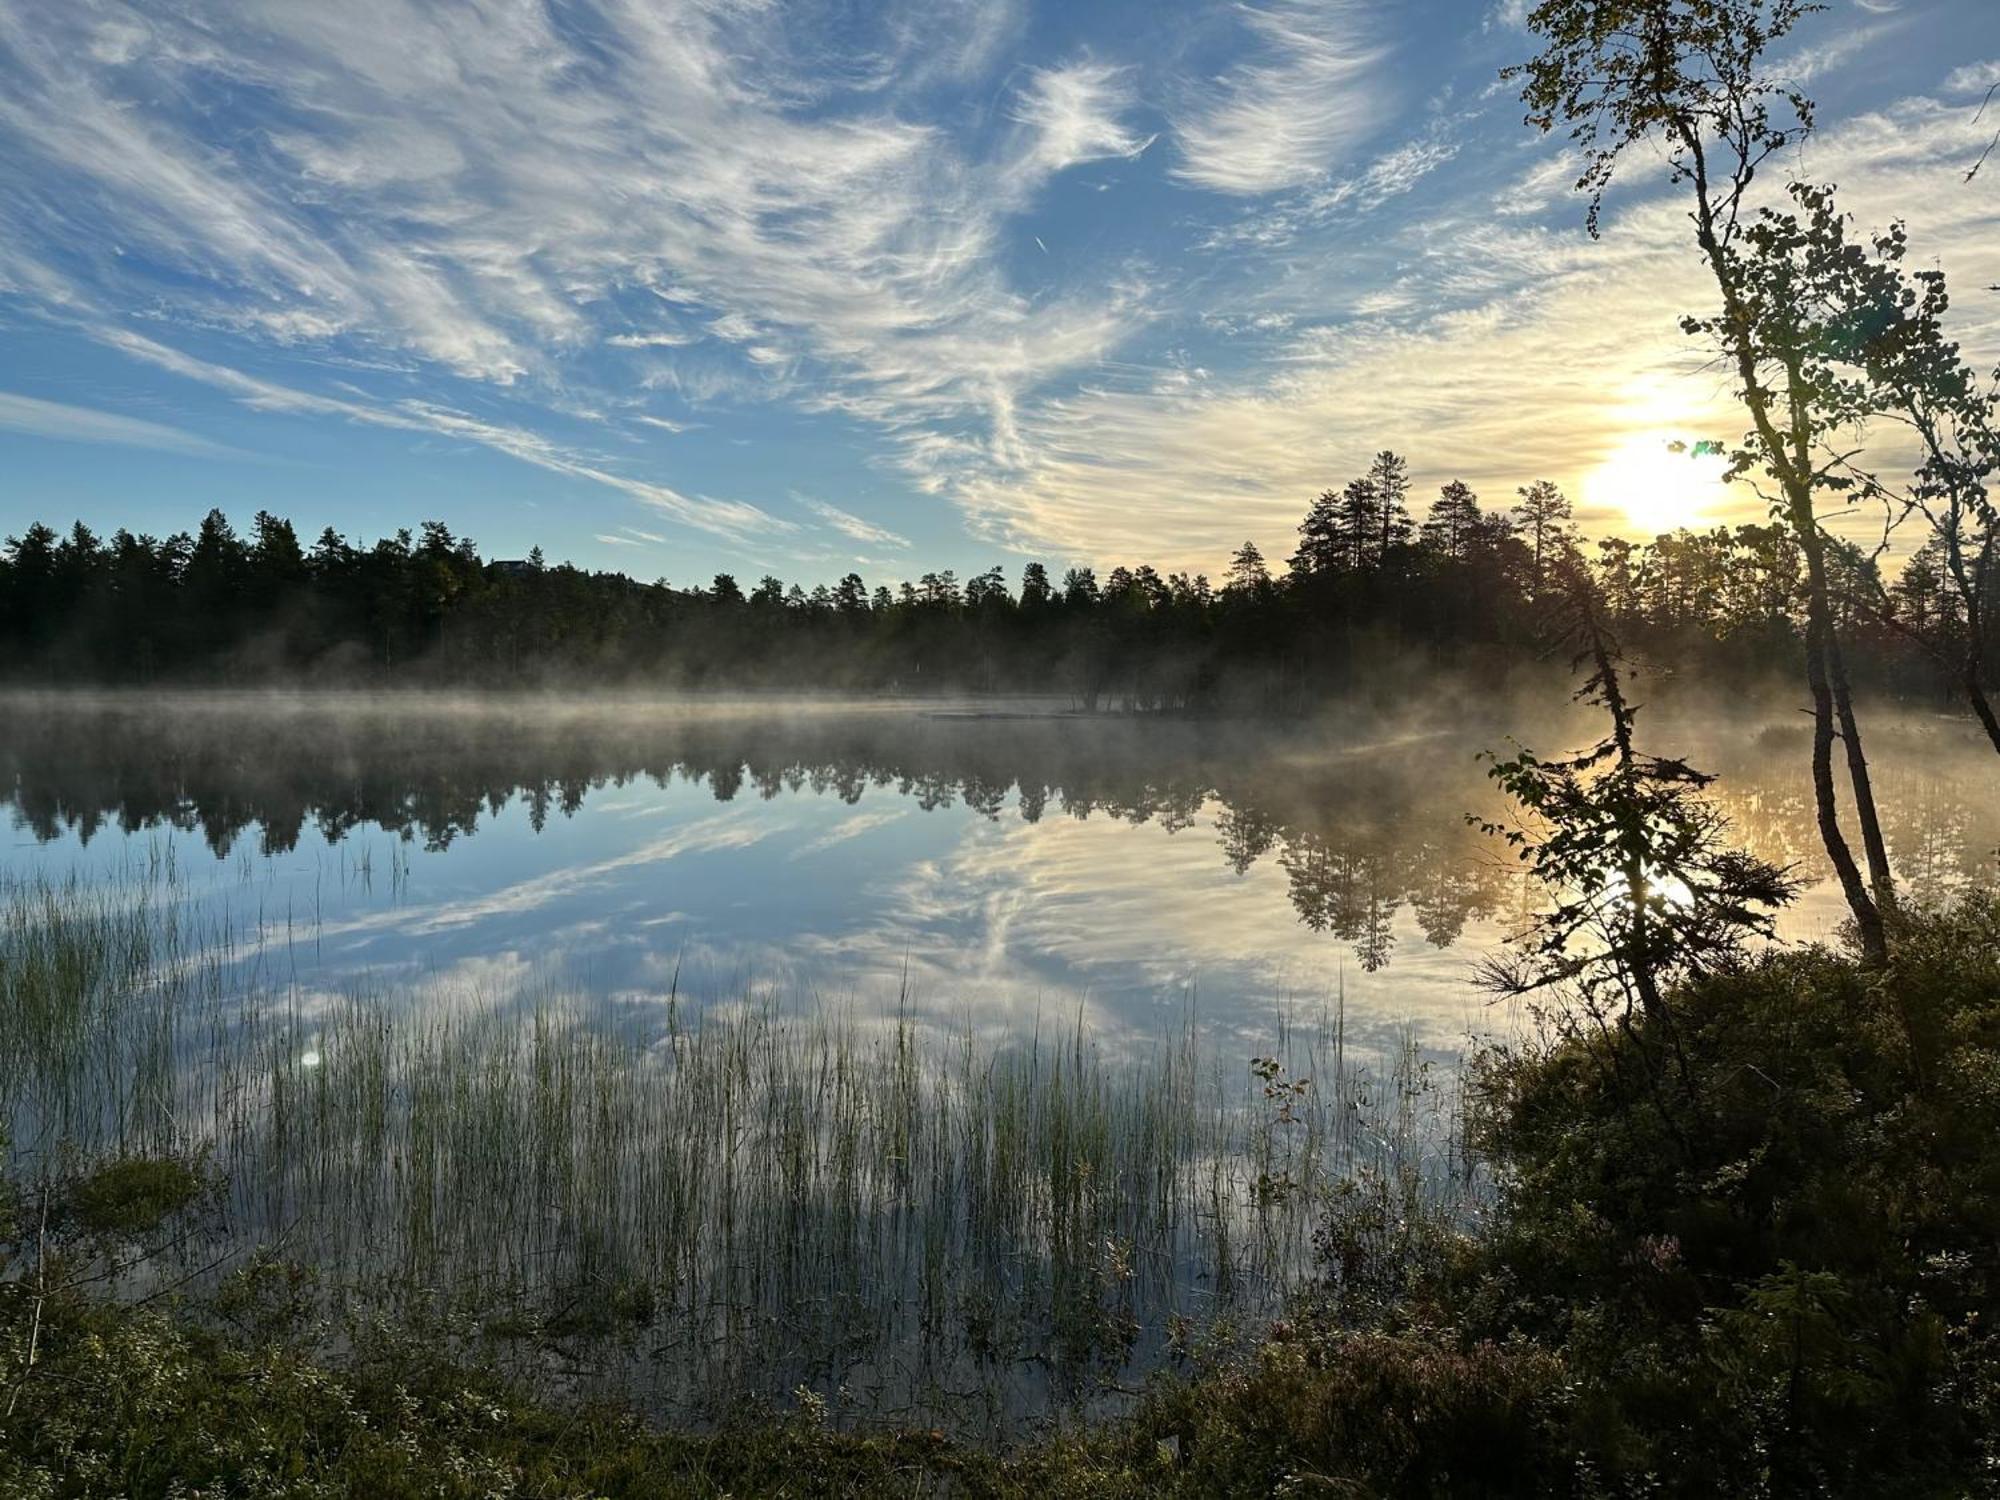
702, 1207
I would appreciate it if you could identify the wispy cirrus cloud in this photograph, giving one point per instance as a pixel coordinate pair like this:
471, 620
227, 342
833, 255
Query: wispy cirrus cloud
82, 424
1513, 351
1314, 92
729, 191
1972, 78
621, 241
722, 517
851, 827
1075, 115
850, 525
1272, 225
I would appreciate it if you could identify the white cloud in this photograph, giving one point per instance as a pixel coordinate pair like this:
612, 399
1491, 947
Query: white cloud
1505, 351
1806, 64
850, 525
1073, 113
1387, 177
1314, 93
722, 517
650, 340
1550, 181
82, 424
486, 190
1973, 78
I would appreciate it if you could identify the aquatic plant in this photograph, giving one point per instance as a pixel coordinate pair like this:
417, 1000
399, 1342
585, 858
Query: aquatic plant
714, 1202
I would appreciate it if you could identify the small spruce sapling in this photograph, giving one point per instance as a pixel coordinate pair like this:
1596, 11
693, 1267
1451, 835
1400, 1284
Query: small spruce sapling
1642, 886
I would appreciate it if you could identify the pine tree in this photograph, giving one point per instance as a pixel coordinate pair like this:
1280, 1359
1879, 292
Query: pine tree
1247, 572
1390, 474
1323, 546
1544, 518
1035, 589
1452, 526
1360, 523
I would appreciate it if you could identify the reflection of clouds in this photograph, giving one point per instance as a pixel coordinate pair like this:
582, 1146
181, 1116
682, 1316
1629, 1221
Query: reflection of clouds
998, 925
736, 829
848, 828
1016, 916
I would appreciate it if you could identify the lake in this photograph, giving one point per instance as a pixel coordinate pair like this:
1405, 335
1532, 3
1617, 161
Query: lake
548, 991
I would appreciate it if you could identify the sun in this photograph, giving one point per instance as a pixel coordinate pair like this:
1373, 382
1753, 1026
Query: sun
1656, 487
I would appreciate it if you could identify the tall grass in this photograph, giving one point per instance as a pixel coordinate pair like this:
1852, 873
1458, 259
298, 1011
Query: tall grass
705, 1205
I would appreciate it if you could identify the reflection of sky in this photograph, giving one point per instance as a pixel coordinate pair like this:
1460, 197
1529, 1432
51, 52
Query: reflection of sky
989, 921
995, 924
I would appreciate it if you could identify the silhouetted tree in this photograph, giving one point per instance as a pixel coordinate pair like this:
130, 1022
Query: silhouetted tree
1247, 573
1390, 477
425, 608
1543, 519
1642, 887
1325, 545
1692, 79
1452, 527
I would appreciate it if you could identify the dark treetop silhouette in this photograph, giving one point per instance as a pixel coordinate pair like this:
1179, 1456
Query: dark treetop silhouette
1369, 593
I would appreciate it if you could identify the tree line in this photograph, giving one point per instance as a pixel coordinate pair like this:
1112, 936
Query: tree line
1371, 582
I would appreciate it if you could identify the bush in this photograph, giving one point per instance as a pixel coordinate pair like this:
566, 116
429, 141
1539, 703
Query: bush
1773, 1268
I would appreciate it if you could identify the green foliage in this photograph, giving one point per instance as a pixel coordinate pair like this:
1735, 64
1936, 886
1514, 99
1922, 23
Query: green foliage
1641, 885
1783, 1284
1687, 75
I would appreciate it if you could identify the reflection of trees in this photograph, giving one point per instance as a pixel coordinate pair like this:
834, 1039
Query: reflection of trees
1347, 892
1939, 805
1361, 838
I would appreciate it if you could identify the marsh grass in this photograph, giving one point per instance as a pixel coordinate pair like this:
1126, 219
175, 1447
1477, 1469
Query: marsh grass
706, 1205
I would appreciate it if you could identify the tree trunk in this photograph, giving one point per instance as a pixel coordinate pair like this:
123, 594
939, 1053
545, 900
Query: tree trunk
1975, 693
1973, 593
1819, 627
1795, 474
1879, 877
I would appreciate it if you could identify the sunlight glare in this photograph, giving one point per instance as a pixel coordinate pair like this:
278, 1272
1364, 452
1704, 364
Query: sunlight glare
1673, 891
1658, 489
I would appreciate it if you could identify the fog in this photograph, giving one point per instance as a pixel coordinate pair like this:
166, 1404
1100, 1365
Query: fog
993, 859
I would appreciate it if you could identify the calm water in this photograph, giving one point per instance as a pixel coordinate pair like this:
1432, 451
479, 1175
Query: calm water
441, 1000
985, 867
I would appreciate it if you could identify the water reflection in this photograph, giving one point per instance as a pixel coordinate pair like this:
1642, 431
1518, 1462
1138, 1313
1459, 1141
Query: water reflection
991, 865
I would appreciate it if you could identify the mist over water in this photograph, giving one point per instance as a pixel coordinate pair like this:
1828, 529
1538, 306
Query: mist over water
985, 866
899, 1048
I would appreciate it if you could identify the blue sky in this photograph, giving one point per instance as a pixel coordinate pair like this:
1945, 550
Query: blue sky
681, 285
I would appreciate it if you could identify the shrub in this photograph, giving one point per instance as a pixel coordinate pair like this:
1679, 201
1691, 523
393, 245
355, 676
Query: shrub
1778, 1275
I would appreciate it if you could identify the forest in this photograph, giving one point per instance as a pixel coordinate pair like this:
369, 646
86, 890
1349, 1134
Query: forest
1366, 585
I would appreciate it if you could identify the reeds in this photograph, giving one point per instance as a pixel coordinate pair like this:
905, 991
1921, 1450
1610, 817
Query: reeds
739, 1202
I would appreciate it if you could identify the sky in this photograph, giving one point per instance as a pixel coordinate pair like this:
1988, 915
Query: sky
683, 286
